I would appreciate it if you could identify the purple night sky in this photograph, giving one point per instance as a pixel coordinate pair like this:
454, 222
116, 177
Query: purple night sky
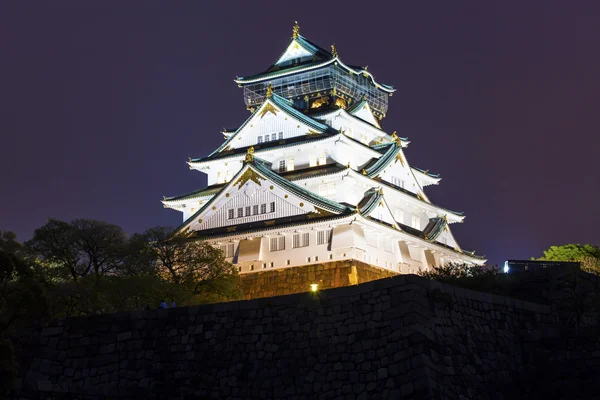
102, 102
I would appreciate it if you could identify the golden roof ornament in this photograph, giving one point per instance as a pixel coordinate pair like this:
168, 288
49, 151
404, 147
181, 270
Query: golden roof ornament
250, 154
334, 51
295, 30
395, 138
269, 90
380, 191
356, 209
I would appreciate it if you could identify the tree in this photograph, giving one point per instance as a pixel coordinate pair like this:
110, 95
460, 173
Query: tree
195, 264
21, 299
79, 248
588, 255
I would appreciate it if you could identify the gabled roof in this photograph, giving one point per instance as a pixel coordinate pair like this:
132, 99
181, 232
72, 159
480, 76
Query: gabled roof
281, 104
363, 111
301, 47
263, 169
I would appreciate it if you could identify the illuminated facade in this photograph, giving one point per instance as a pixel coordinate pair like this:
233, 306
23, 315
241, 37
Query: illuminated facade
312, 177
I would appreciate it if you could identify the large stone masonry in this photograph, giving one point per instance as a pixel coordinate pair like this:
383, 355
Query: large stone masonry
399, 337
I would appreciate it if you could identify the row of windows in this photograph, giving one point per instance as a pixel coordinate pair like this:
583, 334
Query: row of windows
415, 221
248, 211
270, 137
300, 240
314, 159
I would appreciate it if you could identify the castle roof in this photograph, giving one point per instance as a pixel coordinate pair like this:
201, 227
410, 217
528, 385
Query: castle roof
312, 57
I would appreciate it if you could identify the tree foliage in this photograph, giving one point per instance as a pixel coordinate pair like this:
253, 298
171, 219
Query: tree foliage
588, 255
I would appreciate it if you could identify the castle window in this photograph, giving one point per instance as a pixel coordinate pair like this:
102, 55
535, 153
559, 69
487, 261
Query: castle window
282, 166
399, 216
324, 237
312, 160
288, 262
280, 135
227, 250
252, 267
277, 243
397, 181
316, 258
263, 208
290, 165
220, 177
240, 212
230, 214
255, 209
272, 265
308, 259
416, 222
239, 269
322, 159
264, 265
300, 240
272, 206
331, 256
273, 136
247, 211
260, 139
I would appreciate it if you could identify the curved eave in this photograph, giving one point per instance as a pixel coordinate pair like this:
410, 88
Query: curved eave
458, 216
195, 162
283, 72
425, 243
369, 202
383, 161
260, 231
430, 178
345, 113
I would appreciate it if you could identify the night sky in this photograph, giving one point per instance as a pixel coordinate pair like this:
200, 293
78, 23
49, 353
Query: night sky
102, 103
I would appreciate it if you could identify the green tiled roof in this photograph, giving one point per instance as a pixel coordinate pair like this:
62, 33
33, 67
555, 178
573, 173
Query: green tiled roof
427, 172
207, 191
382, 162
434, 228
369, 202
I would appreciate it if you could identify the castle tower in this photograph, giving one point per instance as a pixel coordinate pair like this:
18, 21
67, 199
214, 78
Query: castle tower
311, 177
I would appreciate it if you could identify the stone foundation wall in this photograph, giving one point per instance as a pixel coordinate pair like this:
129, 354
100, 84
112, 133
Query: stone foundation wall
328, 275
400, 337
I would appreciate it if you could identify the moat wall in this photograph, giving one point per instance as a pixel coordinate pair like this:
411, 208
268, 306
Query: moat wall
397, 337
278, 282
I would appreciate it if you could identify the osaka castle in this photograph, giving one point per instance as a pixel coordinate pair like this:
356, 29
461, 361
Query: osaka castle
312, 177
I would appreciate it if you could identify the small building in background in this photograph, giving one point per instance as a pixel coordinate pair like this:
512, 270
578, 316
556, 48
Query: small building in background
531, 265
